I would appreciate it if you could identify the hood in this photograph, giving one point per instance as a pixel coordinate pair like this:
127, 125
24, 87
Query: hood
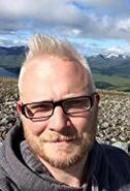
23, 176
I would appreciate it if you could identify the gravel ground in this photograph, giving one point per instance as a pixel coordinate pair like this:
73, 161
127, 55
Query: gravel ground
113, 118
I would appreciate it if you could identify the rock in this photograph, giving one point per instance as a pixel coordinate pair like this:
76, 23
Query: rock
113, 117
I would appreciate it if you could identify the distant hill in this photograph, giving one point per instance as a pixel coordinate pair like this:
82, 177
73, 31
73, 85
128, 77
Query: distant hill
15, 50
114, 65
110, 72
4, 72
10, 60
11, 57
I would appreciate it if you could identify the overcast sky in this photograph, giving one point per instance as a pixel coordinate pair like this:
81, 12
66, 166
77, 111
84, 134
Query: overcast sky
93, 26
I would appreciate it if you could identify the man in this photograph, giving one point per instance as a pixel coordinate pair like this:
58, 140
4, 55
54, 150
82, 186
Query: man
55, 148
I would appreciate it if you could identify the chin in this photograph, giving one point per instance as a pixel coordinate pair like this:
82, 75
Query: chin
64, 158
61, 155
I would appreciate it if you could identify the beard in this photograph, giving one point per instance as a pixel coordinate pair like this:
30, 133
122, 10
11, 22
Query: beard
68, 154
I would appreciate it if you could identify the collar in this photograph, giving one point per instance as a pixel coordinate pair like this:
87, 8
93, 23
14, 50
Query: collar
91, 172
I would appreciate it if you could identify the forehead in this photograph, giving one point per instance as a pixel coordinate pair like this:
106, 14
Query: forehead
50, 64
48, 76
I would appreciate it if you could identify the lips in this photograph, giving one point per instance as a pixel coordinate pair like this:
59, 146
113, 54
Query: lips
60, 139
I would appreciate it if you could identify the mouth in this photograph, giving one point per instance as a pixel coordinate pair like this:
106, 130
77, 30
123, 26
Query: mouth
63, 139
60, 139
62, 144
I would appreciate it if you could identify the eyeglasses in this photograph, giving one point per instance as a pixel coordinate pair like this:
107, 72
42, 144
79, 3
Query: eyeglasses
43, 110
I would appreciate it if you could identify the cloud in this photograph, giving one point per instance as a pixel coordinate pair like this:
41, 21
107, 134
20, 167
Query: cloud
116, 50
107, 6
45, 10
124, 25
97, 19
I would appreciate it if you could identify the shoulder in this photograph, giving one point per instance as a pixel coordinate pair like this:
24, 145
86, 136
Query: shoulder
6, 183
112, 151
3, 174
113, 168
116, 158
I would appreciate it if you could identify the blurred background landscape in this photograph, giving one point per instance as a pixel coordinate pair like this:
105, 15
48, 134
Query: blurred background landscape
111, 72
99, 30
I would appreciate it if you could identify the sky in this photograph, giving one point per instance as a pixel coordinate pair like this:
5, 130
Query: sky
92, 26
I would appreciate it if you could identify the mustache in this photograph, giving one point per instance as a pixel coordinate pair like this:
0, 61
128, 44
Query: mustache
58, 137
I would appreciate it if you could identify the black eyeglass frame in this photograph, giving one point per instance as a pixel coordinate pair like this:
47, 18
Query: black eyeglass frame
57, 103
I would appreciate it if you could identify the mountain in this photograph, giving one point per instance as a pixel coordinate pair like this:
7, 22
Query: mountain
110, 71
11, 57
4, 72
10, 60
110, 65
15, 50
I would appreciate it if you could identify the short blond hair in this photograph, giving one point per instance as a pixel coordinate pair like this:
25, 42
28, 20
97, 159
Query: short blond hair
47, 45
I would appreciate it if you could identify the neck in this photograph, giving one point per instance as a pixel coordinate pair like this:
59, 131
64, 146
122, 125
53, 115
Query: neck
72, 176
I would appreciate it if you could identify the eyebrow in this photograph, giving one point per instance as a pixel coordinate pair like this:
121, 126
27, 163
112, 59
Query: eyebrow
62, 100
36, 104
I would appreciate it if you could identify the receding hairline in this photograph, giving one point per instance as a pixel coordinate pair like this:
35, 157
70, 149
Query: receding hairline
40, 45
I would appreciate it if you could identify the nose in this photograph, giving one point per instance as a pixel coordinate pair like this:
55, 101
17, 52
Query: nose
59, 120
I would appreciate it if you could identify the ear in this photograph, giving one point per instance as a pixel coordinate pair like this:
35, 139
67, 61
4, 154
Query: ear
19, 107
97, 98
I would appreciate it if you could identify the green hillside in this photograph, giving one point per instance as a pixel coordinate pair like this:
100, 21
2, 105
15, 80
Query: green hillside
109, 73
112, 82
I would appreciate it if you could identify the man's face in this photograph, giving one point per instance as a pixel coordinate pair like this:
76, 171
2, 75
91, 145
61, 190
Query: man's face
61, 140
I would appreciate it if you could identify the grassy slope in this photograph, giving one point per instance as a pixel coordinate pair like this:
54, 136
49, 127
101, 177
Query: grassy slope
115, 82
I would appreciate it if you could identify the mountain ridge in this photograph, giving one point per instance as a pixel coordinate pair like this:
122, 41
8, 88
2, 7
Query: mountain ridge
108, 71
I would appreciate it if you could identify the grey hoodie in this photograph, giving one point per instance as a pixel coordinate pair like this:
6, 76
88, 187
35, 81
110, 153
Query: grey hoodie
20, 170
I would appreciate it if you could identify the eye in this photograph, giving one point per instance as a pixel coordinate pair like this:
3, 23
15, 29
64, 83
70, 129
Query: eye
42, 107
77, 105
28, 112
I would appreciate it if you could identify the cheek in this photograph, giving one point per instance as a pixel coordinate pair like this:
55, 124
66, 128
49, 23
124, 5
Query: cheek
35, 128
80, 123
85, 123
